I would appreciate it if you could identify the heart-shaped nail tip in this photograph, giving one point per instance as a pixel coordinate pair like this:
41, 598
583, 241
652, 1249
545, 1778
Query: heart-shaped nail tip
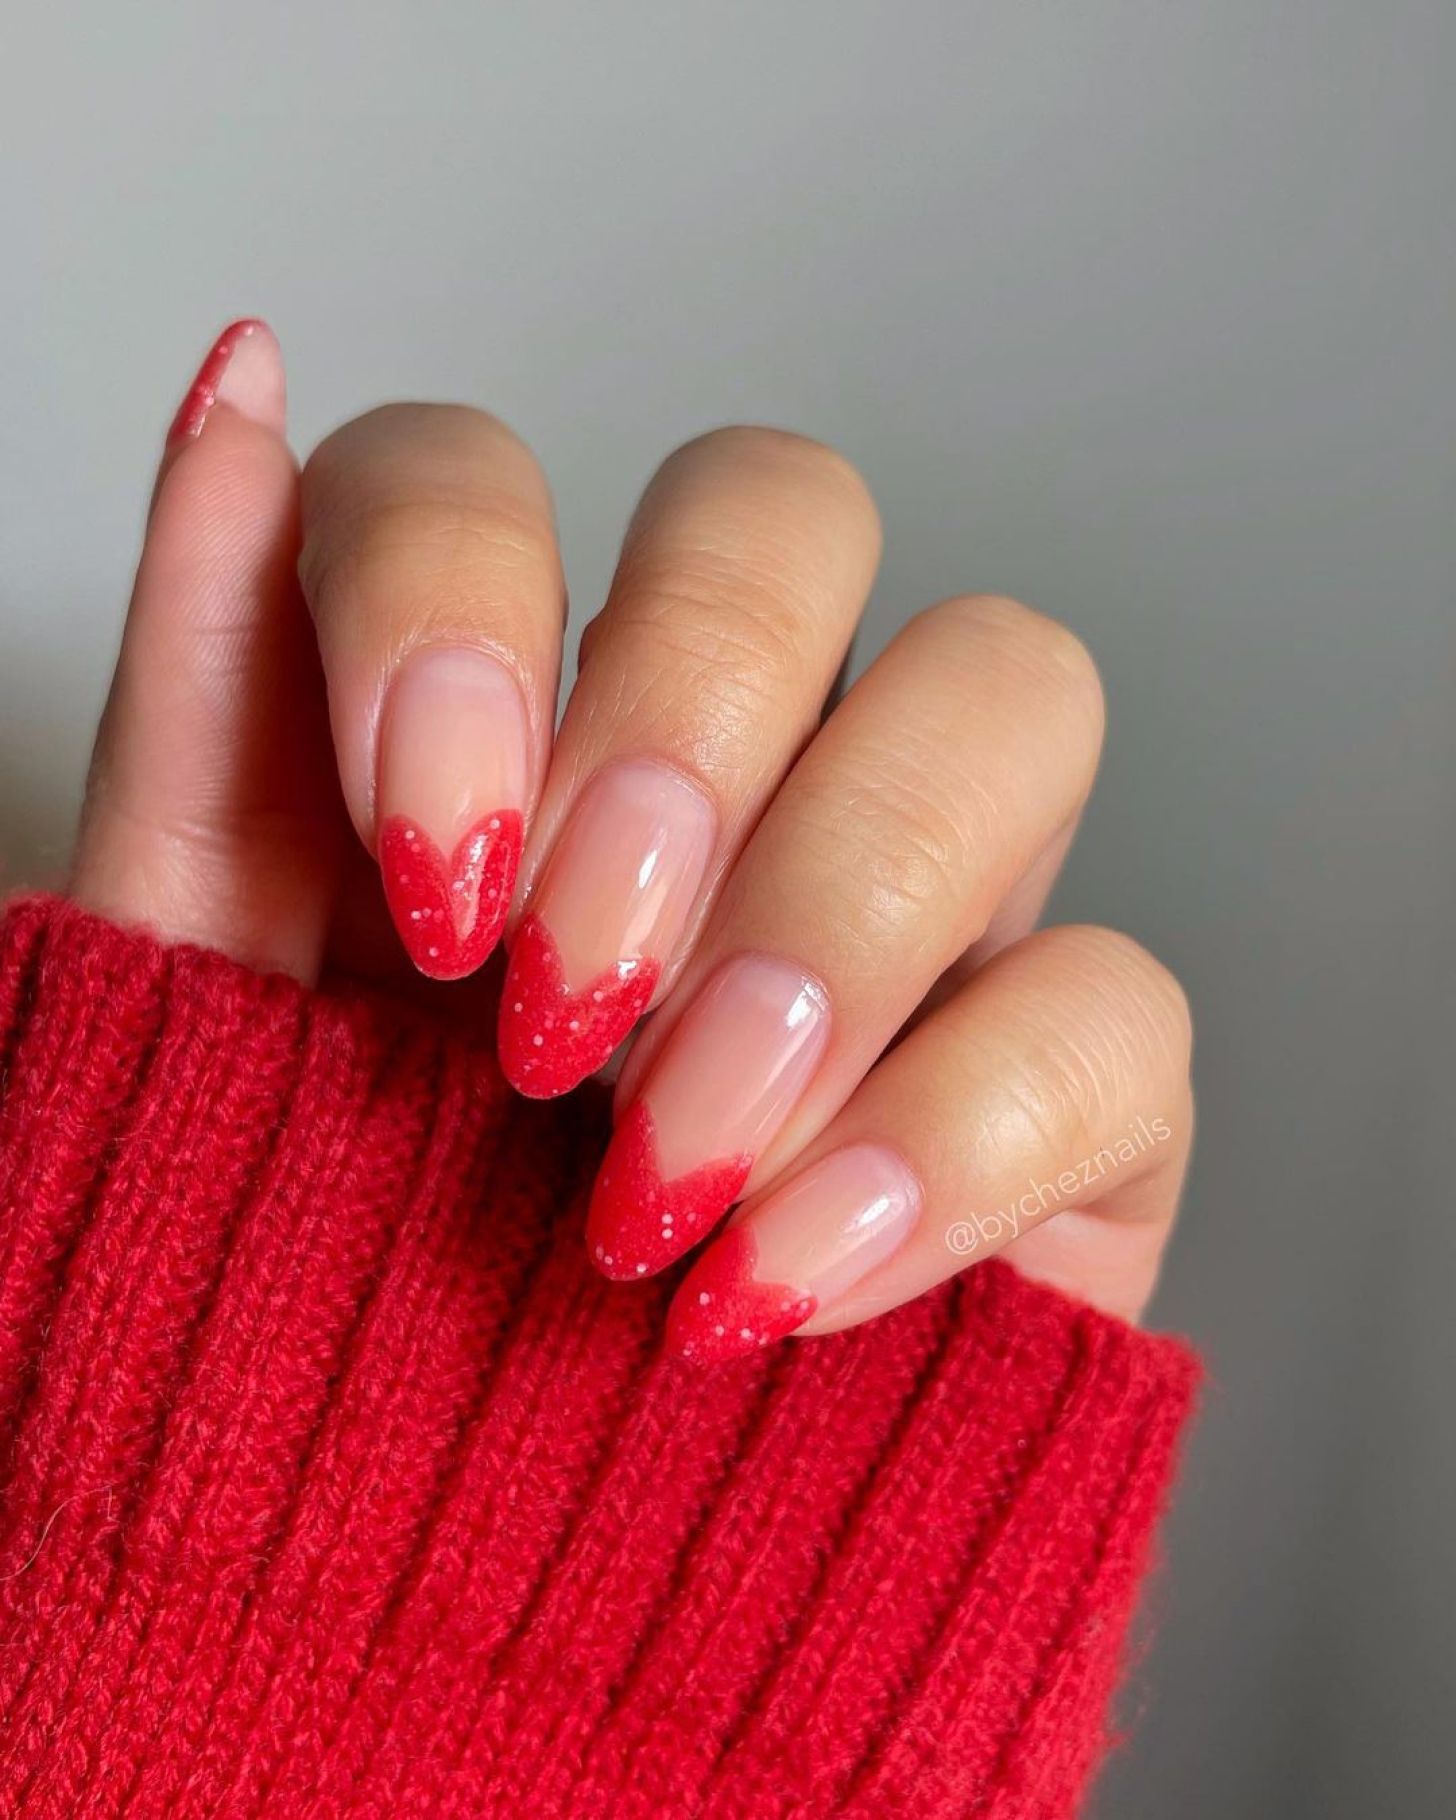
637, 1223
450, 911
723, 1311
552, 1038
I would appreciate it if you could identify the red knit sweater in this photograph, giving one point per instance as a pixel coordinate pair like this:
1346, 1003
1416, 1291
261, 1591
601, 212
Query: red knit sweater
335, 1481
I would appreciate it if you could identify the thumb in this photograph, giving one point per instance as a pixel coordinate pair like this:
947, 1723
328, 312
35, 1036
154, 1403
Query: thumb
211, 810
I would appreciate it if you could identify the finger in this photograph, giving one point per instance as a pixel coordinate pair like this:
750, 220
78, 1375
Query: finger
1016, 916
209, 812
430, 564
1048, 1102
945, 771
742, 576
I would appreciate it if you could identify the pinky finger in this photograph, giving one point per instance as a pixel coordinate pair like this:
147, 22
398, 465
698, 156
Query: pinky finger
1043, 1113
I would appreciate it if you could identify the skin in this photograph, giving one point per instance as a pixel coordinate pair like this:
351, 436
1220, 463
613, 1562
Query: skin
899, 853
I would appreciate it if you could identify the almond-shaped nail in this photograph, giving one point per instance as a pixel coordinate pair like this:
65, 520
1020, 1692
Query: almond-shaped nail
615, 897
243, 370
727, 1078
452, 781
794, 1252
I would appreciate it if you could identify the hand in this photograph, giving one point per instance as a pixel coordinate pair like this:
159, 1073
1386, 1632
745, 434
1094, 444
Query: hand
853, 1028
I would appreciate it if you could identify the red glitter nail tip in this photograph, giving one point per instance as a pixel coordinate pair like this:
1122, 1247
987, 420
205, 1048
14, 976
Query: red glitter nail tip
202, 394
637, 1223
450, 912
551, 1038
722, 1311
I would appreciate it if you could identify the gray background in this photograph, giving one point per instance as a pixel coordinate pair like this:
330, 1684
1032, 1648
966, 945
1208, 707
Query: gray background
1141, 312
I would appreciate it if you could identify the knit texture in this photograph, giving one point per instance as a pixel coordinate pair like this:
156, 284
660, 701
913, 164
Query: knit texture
335, 1481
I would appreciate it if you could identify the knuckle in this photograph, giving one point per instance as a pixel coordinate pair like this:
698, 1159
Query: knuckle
732, 590
1137, 992
712, 612
893, 856
780, 479
1091, 1028
420, 501
438, 551
1047, 652
725, 650
1051, 1101
201, 836
404, 431
783, 451
913, 839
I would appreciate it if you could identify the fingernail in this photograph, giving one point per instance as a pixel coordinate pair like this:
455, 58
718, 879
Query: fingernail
726, 1080
243, 370
615, 897
452, 791
794, 1252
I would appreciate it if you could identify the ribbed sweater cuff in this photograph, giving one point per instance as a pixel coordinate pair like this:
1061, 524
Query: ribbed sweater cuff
336, 1481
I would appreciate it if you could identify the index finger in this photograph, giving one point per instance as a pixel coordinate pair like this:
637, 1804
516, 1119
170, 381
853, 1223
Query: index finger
430, 564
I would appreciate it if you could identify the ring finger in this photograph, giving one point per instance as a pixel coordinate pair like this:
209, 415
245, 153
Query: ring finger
932, 791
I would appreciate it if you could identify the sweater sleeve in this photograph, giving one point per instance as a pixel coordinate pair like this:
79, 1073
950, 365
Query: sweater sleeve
333, 1480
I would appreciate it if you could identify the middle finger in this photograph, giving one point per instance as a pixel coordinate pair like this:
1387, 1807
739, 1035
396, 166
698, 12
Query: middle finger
743, 573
